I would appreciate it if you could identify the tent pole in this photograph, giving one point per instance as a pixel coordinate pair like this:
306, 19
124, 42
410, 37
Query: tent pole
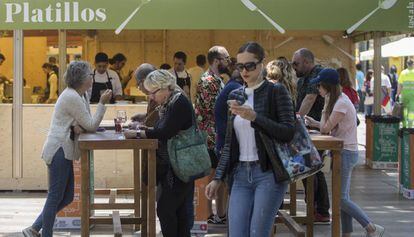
377, 73
17, 124
62, 59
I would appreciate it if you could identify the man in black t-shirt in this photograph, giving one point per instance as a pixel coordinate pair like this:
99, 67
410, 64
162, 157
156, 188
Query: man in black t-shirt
310, 103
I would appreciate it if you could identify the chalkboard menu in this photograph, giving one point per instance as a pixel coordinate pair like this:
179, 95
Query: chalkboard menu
386, 142
405, 176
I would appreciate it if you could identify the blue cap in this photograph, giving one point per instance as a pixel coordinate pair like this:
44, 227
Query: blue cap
327, 75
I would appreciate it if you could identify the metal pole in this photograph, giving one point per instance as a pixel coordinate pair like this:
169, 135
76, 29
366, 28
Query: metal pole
62, 59
17, 124
164, 46
377, 73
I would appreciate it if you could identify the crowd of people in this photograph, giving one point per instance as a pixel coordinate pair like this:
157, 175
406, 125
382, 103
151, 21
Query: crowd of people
396, 90
243, 183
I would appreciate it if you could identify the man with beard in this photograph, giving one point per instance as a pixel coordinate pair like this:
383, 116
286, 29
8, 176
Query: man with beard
310, 103
207, 91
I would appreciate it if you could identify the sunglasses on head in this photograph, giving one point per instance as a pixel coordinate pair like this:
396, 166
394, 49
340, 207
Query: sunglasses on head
154, 92
250, 66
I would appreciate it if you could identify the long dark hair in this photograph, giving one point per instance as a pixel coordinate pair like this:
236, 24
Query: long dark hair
253, 48
344, 77
334, 93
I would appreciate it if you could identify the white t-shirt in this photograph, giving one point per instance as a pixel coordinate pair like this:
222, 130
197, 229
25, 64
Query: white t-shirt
347, 127
116, 83
385, 81
245, 133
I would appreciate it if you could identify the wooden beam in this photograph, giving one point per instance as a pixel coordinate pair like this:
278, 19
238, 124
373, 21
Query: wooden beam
108, 220
292, 204
106, 206
137, 186
116, 219
112, 196
293, 226
119, 191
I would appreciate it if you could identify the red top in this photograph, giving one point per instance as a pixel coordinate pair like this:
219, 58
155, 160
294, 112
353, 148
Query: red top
352, 94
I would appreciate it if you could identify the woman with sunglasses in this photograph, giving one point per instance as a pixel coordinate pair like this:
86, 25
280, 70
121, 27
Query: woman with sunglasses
339, 120
255, 193
175, 114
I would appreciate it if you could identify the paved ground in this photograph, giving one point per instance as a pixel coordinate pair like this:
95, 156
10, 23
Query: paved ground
376, 191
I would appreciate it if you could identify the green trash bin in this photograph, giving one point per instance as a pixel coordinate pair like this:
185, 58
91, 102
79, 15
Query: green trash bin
406, 160
385, 142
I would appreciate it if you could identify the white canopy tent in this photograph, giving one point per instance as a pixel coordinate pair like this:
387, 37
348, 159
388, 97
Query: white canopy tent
400, 48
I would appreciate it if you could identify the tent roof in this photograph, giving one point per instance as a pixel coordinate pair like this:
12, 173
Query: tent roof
204, 14
400, 48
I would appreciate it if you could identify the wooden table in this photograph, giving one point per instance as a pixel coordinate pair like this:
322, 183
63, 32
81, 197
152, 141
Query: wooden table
144, 214
321, 142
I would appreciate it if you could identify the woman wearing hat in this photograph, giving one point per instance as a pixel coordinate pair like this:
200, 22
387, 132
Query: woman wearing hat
339, 120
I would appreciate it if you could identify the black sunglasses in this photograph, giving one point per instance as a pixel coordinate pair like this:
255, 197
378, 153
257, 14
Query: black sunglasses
154, 92
250, 66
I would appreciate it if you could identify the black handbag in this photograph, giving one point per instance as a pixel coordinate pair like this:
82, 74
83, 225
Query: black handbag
296, 159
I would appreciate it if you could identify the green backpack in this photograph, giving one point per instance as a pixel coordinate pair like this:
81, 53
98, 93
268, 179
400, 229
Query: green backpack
188, 154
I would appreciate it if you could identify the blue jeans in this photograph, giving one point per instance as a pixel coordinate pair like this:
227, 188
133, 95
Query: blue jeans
369, 109
254, 201
60, 194
349, 209
361, 101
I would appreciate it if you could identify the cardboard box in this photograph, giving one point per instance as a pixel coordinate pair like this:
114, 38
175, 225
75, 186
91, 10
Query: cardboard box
69, 217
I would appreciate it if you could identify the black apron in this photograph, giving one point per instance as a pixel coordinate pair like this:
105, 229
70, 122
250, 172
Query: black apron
97, 87
181, 82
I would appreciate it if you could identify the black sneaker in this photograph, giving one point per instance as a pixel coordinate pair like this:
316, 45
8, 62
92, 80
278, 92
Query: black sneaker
216, 220
223, 219
210, 219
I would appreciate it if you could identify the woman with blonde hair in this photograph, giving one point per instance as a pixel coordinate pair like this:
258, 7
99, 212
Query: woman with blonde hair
281, 71
175, 114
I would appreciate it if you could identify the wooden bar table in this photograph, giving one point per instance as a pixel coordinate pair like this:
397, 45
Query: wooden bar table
322, 142
144, 214
335, 145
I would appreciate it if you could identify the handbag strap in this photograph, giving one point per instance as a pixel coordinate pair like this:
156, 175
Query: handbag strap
194, 120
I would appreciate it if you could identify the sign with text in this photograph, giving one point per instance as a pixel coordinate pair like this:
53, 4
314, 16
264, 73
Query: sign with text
385, 142
207, 14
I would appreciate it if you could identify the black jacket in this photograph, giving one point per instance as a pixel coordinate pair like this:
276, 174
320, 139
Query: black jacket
280, 128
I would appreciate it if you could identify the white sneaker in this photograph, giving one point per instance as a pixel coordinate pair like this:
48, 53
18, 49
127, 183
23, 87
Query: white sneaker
30, 232
379, 231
